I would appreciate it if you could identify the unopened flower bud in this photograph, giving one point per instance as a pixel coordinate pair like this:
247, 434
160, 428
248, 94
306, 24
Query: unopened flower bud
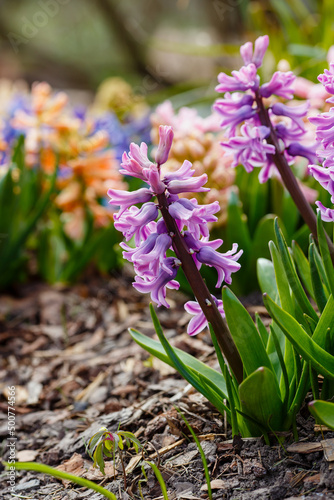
166, 135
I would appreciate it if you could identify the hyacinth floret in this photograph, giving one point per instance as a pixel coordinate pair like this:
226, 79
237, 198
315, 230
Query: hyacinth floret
249, 120
324, 123
152, 256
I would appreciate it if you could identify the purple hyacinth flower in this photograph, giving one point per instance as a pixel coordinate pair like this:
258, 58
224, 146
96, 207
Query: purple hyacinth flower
289, 133
153, 179
327, 79
297, 149
194, 216
133, 221
166, 135
242, 80
295, 113
196, 244
148, 263
224, 263
125, 199
192, 185
133, 254
157, 286
232, 103
139, 154
199, 321
232, 120
325, 177
183, 173
280, 85
325, 127
327, 214
250, 149
131, 167
246, 51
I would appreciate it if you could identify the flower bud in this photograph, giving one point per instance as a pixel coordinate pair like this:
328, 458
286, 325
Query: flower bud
166, 135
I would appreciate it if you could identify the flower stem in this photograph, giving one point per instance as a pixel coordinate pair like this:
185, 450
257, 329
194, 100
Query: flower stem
289, 178
201, 292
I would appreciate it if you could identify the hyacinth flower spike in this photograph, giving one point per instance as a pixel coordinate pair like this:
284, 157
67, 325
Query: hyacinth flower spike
264, 140
182, 229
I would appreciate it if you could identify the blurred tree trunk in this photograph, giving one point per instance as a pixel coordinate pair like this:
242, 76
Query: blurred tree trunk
226, 17
118, 25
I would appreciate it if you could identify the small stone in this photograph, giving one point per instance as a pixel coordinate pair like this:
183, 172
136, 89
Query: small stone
30, 485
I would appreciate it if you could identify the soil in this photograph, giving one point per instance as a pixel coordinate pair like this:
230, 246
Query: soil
75, 368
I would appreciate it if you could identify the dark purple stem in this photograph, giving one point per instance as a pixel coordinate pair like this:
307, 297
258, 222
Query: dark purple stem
288, 177
201, 292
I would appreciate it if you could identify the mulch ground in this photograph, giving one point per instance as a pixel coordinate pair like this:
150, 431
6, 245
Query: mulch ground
75, 368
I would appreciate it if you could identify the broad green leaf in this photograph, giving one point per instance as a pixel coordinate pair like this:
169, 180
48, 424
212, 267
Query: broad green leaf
305, 345
323, 412
264, 232
291, 275
284, 386
320, 267
262, 330
326, 321
325, 254
260, 399
319, 294
155, 348
245, 334
216, 396
303, 267
281, 280
266, 278
237, 229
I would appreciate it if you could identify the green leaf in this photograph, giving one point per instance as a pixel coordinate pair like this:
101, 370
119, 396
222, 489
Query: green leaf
260, 399
264, 232
266, 278
325, 323
200, 449
319, 294
285, 379
156, 349
245, 334
305, 345
291, 275
237, 228
281, 280
262, 330
160, 479
323, 412
50, 471
324, 250
216, 396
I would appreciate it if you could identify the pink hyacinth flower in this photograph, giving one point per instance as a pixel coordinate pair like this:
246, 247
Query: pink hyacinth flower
246, 51
199, 321
166, 135
281, 84
327, 214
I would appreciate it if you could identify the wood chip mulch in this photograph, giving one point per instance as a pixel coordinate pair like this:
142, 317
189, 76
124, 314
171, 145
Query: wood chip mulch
75, 368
